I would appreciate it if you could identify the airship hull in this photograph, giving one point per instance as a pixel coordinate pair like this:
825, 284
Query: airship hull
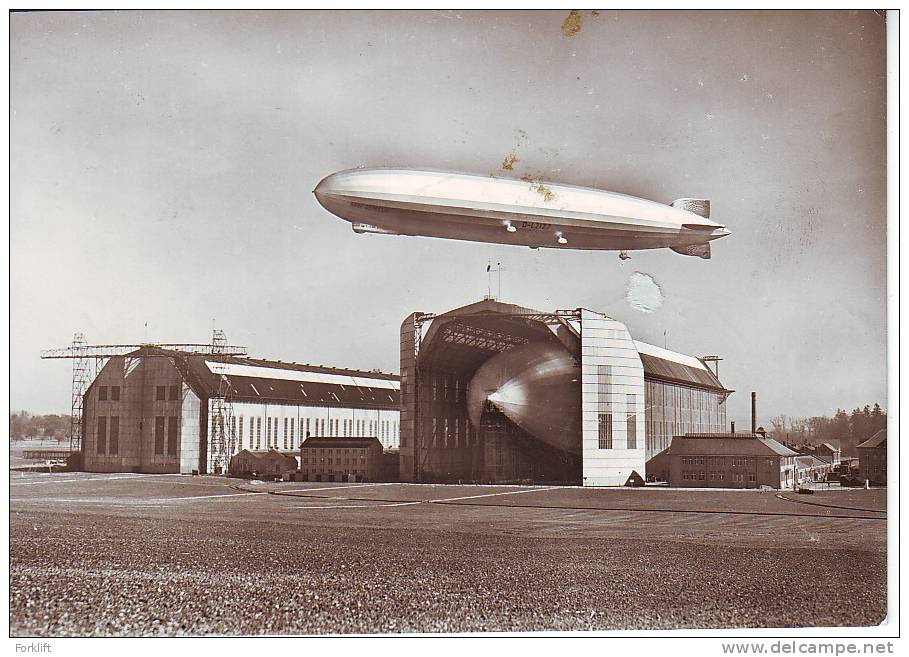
503, 211
536, 386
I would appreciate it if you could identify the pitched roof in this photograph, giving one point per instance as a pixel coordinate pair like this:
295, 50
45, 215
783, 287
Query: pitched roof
340, 442
877, 440
270, 381
727, 444
808, 461
259, 454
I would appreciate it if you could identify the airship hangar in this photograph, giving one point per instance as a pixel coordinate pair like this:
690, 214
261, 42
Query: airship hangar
502, 393
489, 392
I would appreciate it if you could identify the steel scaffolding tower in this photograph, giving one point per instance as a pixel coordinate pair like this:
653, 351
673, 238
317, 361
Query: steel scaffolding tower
222, 440
80, 381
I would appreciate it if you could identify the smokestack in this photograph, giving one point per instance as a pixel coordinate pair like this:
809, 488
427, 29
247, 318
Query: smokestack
753, 412
733, 426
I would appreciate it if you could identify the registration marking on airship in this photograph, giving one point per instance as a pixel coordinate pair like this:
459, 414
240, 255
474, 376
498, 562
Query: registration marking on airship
464, 206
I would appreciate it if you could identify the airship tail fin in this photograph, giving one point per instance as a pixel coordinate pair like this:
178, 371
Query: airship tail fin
699, 206
699, 250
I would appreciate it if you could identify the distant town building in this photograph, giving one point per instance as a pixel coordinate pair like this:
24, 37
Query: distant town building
342, 459
873, 458
811, 469
262, 463
828, 453
730, 460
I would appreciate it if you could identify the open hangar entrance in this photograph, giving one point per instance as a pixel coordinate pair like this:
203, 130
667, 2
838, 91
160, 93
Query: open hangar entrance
494, 392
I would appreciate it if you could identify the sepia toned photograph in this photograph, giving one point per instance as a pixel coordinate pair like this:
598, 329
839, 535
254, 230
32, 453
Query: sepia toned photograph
450, 322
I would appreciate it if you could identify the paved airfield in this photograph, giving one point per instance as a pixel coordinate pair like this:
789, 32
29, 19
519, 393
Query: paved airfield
123, 554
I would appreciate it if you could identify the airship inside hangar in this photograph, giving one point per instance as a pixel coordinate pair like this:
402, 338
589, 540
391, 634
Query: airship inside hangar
471, 207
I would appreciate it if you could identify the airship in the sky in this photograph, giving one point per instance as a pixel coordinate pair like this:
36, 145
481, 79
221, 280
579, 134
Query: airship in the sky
477, 208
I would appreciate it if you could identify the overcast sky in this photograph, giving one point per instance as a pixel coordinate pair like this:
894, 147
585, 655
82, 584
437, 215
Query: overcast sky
162, 166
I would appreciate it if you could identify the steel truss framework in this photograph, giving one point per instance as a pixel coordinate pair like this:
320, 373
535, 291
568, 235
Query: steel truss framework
82, 354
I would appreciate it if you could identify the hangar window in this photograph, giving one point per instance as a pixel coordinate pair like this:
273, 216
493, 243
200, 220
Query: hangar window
160, 392
102, 393
286, 435
258, 432
102, 435
605, 430
172, 435
115, 393
159, 434
240, 434
113, 444
174, 393
631, 424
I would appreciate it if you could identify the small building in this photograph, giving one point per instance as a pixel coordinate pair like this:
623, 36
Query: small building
730, 460
810, 468
341, 459
873, 458
828, 453
262, 463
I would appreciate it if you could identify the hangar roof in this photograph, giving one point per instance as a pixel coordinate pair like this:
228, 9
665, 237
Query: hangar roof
674, 367
464, 337
727, 444
278, 382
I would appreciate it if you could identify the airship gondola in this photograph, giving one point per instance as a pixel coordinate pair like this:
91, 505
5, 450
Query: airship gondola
464, 206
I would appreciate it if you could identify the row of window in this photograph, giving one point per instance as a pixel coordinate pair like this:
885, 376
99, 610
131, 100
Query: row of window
353, 471
338, 461
604, 431
167, 393
308, 426
108, 392
325, 451
743, 461
171, 442
440, 390
604, 425
107, 437
673, 410
715, 475
162, 393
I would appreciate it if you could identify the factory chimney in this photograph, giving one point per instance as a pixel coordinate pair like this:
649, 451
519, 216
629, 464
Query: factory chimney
753, 412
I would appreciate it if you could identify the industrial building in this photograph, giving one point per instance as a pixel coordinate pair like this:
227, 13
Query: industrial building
163, 410
730, 460
497, 392
341, 459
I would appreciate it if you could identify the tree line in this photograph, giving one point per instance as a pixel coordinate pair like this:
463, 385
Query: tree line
25, 425
847, 429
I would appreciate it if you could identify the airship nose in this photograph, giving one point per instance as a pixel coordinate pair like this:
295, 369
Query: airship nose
324, 187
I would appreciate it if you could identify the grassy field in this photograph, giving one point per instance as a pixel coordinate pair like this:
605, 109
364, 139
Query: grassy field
98, 555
